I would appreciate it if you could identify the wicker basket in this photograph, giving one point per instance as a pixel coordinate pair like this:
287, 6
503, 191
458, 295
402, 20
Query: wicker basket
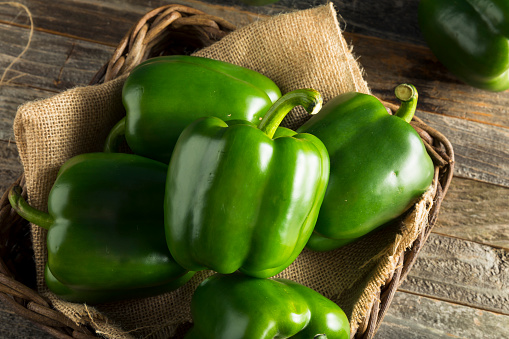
176, 29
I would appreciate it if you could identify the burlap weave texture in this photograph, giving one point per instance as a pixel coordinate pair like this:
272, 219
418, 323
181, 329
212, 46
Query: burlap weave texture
50, 131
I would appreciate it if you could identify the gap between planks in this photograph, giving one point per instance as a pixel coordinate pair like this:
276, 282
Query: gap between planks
450, 301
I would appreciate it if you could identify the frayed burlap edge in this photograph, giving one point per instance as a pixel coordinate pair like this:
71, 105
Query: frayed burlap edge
411, 226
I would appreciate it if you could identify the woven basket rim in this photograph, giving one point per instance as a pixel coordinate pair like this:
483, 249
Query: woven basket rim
140, 42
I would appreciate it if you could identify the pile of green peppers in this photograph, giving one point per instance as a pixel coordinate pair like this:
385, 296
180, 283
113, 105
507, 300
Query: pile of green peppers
215, 183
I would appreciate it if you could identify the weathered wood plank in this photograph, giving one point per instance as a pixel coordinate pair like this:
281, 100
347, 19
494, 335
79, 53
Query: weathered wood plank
416, 317
52, 62
386, 62
11, 97
477, 212
10, 166
462, 272
105, 22
481, 150
92, 21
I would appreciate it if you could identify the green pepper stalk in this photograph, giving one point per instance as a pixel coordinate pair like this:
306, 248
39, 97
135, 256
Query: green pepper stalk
115, 137
379, 165
26, 211
239, 199
308, 98
408, 96
105, 237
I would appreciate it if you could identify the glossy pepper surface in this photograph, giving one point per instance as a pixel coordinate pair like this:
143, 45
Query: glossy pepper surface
165, 94
240, 307
105, 226
471, 38
237, 198
378, 165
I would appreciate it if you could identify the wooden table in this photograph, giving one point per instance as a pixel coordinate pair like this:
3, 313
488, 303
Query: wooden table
459, 286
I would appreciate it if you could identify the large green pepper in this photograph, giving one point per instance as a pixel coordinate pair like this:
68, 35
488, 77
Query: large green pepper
165, 94
238, 199
106, 229
240, 307
471, 38
379, 165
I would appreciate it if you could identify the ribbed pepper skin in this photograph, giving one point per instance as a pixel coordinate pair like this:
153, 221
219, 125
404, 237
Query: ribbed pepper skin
105, 238
165, 94
378, 168
471, 38
238, 199
240, 307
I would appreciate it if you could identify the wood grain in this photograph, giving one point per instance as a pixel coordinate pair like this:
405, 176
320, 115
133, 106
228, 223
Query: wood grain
11, 97
477, 212
417, 317
53, 63
463, 272
104, 22
10, 166
481, 150
89, 21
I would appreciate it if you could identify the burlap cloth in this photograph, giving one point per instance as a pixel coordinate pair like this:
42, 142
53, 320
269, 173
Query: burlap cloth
296, 50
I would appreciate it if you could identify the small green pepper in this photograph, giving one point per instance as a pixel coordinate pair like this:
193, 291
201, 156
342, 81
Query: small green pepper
240, 307
238, 199
106, 230
165, 94
471, 38
379, 165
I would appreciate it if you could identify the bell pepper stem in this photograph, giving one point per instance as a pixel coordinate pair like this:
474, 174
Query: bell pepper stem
26, 211
115, 137
408, 96
309, 98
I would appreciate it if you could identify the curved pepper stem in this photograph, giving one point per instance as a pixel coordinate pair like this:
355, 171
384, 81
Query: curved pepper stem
408, 95
26, 211
308, 98
115, 137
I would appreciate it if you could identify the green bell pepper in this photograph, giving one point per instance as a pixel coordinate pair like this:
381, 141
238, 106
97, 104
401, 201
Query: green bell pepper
238, 199
379, 165
470, 37
240, 307
105, 236
165, 94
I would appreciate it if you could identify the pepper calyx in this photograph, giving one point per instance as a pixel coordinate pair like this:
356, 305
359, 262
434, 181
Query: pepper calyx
408, 96
308, 98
